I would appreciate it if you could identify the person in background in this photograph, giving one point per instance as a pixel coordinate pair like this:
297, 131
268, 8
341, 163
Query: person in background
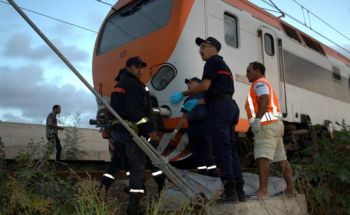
52, 131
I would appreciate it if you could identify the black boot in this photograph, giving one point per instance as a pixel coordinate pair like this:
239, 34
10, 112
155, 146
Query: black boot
240, 192
230, 194
134, 204
160, 180
213, 172
106, 183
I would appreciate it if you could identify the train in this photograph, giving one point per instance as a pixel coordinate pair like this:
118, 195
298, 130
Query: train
312, 80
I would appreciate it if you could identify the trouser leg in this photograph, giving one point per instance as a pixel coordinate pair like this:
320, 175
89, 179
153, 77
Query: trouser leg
58, 148
194, 141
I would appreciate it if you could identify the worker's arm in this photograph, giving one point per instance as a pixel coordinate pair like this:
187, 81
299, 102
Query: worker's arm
263, 105
202, 87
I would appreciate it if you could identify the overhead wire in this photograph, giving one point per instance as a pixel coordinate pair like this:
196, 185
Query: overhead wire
309, 27
324, 22
53, 18
103, 2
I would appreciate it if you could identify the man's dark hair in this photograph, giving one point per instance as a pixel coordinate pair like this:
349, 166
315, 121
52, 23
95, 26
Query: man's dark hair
55, 107
259, 66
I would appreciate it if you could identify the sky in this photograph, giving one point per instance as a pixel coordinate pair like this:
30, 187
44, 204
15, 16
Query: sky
33, 78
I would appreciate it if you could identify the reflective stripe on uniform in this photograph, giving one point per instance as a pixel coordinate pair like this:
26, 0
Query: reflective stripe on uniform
202, 167
251, 108
142, 121
211, 167
119, 90
108, 176
157, 173
137, 191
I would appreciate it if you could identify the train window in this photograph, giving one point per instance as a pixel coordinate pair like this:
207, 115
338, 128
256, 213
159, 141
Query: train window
132, 22
336, 74
269, 44
163, 77
313, 44
291, 32
231, 30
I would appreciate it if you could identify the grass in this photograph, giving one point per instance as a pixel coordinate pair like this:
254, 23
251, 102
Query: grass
322, 171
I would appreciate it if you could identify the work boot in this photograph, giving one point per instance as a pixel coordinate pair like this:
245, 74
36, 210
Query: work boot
213, 172
160, 180
230, 194
134, 204
240, 192
202, 171
106, 183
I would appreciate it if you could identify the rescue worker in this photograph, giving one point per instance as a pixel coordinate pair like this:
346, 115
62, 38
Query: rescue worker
198, 135
263, 111
129, 100
52, 131
223, 112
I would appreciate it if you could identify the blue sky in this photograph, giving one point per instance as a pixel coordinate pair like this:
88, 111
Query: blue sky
32, 78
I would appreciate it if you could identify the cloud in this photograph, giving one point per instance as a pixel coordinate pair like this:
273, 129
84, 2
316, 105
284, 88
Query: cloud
20, 45
24, 89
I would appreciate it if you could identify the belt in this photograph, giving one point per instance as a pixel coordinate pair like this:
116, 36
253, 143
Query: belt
220, 97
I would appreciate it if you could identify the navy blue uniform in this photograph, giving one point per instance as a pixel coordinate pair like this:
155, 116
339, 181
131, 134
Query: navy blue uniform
223, 115
129, 100
199, 136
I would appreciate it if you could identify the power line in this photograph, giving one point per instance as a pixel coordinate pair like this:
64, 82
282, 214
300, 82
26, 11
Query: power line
103, 2
56, 19
324, 22
309, 27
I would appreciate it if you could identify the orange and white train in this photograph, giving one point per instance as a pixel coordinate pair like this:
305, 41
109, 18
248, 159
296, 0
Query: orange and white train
311, 79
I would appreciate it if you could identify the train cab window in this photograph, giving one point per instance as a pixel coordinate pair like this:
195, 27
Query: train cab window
336, 74
231, 30
163, 77
132, 22
269, 44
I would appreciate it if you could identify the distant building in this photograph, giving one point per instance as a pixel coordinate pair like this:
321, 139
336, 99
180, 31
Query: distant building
16, 136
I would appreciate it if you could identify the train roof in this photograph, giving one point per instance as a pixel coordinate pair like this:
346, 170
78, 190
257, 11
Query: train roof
272, 20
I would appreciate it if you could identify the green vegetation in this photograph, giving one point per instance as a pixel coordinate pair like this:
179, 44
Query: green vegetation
322, 172
73, 139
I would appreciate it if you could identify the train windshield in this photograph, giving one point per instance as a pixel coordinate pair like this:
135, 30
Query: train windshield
134, 21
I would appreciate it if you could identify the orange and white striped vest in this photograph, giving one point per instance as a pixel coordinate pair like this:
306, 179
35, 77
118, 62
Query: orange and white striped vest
252, 103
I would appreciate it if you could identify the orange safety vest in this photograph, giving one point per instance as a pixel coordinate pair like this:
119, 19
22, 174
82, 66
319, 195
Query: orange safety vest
252, 103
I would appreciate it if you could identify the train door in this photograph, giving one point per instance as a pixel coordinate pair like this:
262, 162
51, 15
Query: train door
273, 60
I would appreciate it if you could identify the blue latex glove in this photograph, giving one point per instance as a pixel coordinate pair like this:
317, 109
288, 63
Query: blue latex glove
176, 98
190, 104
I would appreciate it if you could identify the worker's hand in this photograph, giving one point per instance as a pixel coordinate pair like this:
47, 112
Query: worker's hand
255, 125
176, 98
190, 104
153, 137
173, 134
